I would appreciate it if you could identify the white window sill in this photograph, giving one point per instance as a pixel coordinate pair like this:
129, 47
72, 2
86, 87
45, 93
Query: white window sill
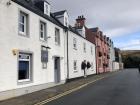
23, 34
25, 80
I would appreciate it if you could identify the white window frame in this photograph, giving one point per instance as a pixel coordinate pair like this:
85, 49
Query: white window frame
57, 36
84, 47
44, 64
46, 9
92, 67
43, 31
75, 43
91, 50
28, 60
75, 65
25, 24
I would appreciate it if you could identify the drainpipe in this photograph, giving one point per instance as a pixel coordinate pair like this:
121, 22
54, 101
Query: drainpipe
67, 54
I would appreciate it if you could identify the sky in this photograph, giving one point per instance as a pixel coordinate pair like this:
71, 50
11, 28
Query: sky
118, 19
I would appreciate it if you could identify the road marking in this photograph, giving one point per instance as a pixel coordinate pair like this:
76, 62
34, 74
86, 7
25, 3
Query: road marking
68, 92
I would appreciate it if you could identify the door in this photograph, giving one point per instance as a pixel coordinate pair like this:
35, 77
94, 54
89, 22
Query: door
57, 69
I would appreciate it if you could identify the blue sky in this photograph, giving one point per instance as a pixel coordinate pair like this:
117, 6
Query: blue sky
128, 41
118, 19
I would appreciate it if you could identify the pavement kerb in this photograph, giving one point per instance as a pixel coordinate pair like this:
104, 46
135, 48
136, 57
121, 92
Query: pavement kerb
70, 91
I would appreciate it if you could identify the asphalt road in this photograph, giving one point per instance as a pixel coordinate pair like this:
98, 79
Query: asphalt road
122, 88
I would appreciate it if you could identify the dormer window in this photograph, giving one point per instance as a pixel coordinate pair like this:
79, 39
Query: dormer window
46, 8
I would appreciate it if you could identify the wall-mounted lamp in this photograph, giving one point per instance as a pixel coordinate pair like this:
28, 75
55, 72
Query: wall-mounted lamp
15, 51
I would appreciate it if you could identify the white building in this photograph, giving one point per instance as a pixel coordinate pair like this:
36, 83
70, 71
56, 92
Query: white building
31, 47
111, 55
39, 49
78, 48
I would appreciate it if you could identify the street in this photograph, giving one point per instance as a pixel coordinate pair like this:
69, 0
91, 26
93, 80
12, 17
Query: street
122, 88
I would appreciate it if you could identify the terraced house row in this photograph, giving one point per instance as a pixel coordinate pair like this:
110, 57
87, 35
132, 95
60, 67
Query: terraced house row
40, 49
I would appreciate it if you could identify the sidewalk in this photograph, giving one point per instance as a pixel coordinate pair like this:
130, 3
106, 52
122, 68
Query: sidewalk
33, 98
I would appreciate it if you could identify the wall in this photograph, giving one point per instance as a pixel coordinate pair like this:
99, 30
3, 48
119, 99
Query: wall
79, 55
10, 39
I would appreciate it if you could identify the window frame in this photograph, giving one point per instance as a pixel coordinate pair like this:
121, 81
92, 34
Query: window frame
25, 24
30, 55
44, 63
44, 31
57, 36
75, 43
46, 8
75, 66
84, 47
91, 50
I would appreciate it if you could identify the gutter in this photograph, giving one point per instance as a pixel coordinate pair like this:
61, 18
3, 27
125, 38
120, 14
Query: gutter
67, 55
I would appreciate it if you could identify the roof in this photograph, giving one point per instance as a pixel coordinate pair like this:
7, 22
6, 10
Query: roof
30, 5
94, 29
59, 13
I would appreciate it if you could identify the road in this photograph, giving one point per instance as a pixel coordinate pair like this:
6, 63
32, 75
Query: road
122, 88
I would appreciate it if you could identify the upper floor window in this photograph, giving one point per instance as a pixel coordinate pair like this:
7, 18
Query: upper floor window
91, 50
42, 31
74, 43
46, 8
23, 23
84, 47
57, 36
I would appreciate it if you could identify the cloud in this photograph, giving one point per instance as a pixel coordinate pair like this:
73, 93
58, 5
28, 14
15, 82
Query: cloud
114, 17
131, 44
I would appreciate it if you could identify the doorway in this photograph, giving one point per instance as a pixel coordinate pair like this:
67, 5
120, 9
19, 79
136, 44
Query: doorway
57, 76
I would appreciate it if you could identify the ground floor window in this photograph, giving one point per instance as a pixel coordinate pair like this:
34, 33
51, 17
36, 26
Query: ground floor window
44, 56
24, 67
75, 65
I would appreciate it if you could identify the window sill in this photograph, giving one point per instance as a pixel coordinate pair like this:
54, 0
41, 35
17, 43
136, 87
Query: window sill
42, 40
24, 82
75, 48
57, 45
75, 71
23, 34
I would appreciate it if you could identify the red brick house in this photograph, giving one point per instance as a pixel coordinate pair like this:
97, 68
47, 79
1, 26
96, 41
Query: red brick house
102, 51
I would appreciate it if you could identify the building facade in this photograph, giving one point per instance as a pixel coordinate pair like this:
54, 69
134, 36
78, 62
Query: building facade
40, 49
32, 48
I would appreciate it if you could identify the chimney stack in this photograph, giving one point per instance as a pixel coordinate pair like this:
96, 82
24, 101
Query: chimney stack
80, 21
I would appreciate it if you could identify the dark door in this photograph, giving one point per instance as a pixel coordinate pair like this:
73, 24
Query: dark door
57, 69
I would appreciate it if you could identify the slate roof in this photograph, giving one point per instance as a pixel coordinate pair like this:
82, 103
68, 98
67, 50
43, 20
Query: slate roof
94, 29
59, 13
30, 5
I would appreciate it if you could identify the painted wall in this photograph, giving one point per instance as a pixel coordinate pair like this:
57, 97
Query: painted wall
10, 39
79, 55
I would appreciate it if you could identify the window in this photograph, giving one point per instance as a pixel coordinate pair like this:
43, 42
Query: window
66, 21
42, 31
91, 50
57, 36
23, 24
46, 8
84, 47
44, 57
91, 65
75, 65
100, 63
75, 43
24, 67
